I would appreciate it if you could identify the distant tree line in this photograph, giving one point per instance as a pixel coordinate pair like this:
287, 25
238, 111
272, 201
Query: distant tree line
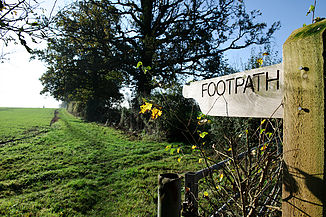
94, 47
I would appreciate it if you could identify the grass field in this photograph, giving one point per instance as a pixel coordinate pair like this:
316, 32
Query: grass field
77, 169
16, 123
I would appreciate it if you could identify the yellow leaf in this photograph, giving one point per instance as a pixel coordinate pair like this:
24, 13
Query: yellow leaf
178, 150
203, 121
206, 194
155, 113
148, 68
265, 54
139, 64
264, 147
230, 149
221, 177
146, 107
203, 134
200, 160
260, 61
262, 122
193, 147
179, 159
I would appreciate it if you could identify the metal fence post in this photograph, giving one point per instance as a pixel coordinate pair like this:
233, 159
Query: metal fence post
169, 195
190, 207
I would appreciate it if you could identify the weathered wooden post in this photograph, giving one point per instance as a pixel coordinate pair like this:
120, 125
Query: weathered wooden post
190, 207
304, 65
169, 195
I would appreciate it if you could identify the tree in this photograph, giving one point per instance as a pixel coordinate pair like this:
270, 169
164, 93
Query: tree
174, 38
265, 56
177, 38
18, 23
81, 63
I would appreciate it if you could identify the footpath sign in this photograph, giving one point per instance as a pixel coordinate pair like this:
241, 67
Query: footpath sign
252, 93
294, 91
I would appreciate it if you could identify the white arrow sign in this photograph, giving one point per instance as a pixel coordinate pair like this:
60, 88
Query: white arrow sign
253, 93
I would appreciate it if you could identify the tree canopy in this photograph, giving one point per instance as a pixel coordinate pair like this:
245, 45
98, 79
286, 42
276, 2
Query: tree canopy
95, 45
82, 65
184, 37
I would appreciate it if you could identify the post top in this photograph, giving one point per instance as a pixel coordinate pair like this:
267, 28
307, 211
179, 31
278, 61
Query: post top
307, 31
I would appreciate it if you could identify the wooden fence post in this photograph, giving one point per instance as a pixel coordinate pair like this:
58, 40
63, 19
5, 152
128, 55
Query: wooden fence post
169, 195
304, 65
191, 195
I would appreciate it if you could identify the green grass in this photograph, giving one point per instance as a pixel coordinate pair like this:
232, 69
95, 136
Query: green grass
16, 123
78, 169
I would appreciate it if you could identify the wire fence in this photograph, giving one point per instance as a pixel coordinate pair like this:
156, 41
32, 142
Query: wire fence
267, 197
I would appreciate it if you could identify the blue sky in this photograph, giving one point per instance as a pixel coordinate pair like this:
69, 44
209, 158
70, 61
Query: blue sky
291, 14
20, 87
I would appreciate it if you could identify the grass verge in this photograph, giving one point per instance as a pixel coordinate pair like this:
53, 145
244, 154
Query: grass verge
79, 169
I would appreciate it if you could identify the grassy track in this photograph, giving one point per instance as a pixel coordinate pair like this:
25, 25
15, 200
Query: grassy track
77, 169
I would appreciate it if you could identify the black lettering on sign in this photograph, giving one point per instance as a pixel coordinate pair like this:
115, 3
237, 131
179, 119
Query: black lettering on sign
202, 89
237, 84
249, 84
230, 84
217, 87
277, 79
209, 88
258, 79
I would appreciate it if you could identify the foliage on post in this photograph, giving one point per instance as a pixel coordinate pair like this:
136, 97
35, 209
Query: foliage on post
304, 64
169, 195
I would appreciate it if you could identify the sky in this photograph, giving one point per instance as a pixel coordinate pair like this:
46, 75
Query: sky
291, 14
19, 77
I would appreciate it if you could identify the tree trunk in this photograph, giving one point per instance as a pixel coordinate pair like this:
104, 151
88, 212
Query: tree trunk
144, 85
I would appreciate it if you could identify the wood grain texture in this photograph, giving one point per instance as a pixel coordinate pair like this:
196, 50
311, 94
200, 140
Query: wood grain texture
304, 186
